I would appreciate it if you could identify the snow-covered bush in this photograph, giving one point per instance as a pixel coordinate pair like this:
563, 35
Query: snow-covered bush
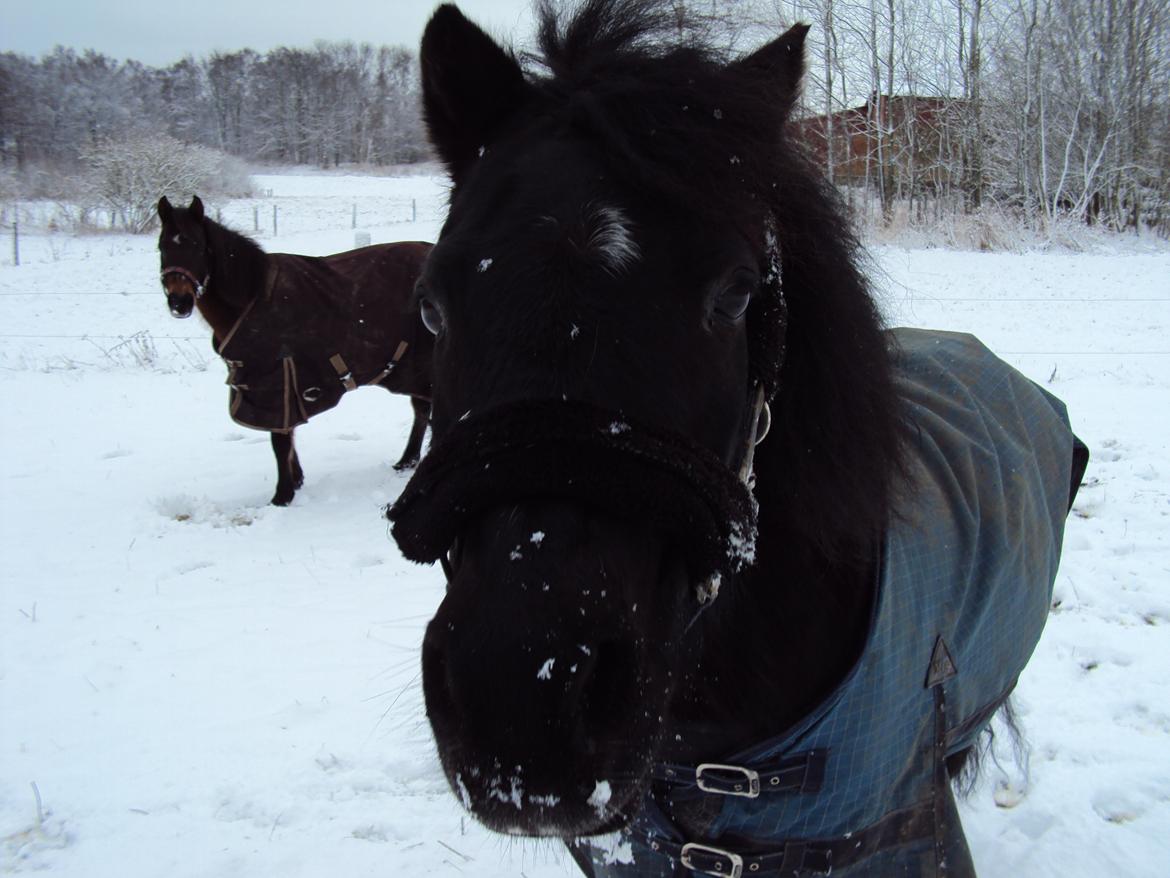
127, 176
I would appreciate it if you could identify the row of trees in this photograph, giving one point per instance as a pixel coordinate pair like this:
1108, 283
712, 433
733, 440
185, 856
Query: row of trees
1044, 107
335, 103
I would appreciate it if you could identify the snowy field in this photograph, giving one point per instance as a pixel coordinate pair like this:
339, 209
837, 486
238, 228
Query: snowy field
193, 683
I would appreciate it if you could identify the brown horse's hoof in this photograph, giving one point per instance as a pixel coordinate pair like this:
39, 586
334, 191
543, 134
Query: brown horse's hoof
283, 499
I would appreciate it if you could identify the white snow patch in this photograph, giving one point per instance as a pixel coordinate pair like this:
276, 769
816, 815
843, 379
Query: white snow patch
1097, 803
514, 795
618, 427
464, 796
484, 265
545, 672
537, 537
709, 590
600, 796
741, 546
615, 848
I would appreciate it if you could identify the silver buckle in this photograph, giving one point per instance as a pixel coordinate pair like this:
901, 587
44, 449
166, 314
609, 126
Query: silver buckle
734, 861
749, 787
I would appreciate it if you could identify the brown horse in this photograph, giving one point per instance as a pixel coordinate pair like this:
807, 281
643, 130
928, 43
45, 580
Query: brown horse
296, 331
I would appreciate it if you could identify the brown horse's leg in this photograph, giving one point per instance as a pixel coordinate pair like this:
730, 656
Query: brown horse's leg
422, 414
289, 475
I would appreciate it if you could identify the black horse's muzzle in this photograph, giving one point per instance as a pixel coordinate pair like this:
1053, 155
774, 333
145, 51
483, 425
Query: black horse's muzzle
573, 451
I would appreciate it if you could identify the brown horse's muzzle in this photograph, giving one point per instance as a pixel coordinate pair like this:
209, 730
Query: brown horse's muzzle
183, 290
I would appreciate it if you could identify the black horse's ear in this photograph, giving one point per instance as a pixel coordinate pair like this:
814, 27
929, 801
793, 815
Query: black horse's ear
164, 209
470, 85
779, 65
196, 207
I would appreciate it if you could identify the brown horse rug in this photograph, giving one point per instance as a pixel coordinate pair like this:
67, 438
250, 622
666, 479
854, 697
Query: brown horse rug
317, 330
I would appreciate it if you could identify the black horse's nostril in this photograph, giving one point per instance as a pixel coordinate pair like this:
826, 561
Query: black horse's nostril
608, 686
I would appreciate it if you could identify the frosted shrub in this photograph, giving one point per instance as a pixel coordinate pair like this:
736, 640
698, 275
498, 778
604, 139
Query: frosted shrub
128, 175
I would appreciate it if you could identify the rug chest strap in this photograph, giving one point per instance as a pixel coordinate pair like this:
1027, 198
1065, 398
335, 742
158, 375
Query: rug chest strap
801, 857
798, 773
344, 375
398, 352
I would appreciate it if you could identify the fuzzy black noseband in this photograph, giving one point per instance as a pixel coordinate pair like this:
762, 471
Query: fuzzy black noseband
554, 450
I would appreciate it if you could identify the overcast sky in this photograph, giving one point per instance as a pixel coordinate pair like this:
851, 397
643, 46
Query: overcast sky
160, 32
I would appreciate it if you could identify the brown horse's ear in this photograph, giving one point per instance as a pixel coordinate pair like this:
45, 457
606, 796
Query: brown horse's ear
164, 209
196, 207
779, 65
470, 85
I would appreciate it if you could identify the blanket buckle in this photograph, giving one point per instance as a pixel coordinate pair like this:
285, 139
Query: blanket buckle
711, 861
728, 780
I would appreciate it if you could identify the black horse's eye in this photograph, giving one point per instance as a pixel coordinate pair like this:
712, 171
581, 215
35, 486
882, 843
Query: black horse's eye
734, 300
432, 317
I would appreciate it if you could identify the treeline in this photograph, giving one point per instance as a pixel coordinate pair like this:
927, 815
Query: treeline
929, 110
1046, 109
335, 103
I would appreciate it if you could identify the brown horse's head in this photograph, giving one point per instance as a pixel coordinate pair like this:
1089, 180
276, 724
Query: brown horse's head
182, 244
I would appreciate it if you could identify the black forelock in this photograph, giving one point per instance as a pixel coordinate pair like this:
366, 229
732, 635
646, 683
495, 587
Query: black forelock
672, 118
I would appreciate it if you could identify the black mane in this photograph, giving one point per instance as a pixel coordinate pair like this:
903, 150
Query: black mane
238, 265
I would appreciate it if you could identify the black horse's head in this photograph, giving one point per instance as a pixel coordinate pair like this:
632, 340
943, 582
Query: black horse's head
182, 244
606, 301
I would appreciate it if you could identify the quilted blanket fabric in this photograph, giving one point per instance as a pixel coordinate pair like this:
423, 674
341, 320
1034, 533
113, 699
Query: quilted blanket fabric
322, 326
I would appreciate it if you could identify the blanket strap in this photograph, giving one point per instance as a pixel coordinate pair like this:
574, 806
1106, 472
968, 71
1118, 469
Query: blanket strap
346, 375
398, 352
221, 347
797, 857
343, 372
942, 668
799, 773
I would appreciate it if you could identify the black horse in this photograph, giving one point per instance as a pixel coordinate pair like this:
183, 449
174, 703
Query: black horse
296, 331
768, 664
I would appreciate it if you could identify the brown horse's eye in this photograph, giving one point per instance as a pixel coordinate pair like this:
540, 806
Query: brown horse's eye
432, 317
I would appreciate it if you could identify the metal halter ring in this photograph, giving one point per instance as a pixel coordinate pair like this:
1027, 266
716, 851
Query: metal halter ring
766, 418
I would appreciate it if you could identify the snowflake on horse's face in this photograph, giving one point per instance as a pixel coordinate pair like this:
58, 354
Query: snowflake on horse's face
610, 329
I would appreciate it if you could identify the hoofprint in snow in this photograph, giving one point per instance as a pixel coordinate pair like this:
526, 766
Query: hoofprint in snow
199, 684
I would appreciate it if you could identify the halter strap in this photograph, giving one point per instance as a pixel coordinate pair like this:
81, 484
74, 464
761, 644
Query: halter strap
200, 285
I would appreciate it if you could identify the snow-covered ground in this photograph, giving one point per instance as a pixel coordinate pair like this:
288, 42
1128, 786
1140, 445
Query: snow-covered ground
193, 683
